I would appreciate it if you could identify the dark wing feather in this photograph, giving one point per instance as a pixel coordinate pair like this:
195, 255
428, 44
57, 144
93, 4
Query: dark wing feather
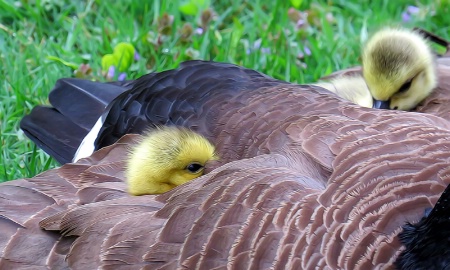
54, 133
77, 105
91, 99
424, 240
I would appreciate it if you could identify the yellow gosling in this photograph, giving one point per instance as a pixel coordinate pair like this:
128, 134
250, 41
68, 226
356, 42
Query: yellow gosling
167, 157
352, 88
398, 66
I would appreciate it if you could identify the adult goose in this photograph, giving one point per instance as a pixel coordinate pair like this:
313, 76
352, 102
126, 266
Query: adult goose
86, 115
316, 183
307, 180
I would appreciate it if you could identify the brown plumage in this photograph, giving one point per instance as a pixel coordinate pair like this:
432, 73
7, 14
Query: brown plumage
316, 182
438, 102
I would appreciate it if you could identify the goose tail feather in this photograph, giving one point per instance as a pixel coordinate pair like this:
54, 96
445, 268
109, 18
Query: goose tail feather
76, 105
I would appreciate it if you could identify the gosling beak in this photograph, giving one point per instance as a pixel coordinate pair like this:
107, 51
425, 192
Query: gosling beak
381, 104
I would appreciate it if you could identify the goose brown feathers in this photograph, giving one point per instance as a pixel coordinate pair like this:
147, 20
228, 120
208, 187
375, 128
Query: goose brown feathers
312, 182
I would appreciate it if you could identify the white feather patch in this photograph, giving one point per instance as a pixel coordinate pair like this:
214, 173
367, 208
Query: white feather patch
87, 146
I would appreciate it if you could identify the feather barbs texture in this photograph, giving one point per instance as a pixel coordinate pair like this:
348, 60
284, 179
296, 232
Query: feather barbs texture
325, 184
267, 211
165, 158
262, 201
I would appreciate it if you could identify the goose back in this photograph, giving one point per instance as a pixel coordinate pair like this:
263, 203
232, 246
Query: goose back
329, 186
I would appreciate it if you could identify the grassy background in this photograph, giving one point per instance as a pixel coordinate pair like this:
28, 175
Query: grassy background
257, 34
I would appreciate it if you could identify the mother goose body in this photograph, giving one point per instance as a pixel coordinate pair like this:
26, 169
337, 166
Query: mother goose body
316, 182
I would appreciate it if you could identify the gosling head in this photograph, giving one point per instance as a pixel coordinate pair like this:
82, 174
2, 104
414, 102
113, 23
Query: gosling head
398, 66
167, 157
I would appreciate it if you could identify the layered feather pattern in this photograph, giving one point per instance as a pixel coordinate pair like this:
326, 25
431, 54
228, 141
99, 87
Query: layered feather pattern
307, 181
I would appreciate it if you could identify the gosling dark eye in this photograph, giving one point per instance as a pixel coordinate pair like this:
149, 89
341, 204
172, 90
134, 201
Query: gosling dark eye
194, 167
405, 87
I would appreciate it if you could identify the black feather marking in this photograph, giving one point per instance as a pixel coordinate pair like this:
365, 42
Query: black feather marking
428, 241
90, 99
77, 106
53, 132
194, 95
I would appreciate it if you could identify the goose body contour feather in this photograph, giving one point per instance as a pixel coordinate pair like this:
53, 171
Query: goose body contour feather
277, 202
316, 182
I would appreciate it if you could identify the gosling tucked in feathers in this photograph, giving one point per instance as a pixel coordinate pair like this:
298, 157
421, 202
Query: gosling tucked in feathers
399, 68
167, 157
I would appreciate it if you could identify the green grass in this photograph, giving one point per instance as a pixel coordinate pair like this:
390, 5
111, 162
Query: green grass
83, 31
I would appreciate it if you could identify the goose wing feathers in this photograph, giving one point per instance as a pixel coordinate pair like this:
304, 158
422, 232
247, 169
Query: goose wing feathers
76, 106
269, 117
194, 95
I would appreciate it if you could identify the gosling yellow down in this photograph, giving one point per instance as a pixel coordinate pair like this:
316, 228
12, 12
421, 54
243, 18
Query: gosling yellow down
167, 157
399, 68
352, 87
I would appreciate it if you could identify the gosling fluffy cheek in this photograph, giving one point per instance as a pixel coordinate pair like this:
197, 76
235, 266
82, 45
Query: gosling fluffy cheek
183, 177
141, 181
414, 95
406, 103
141, 184
403, 104
149, 188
